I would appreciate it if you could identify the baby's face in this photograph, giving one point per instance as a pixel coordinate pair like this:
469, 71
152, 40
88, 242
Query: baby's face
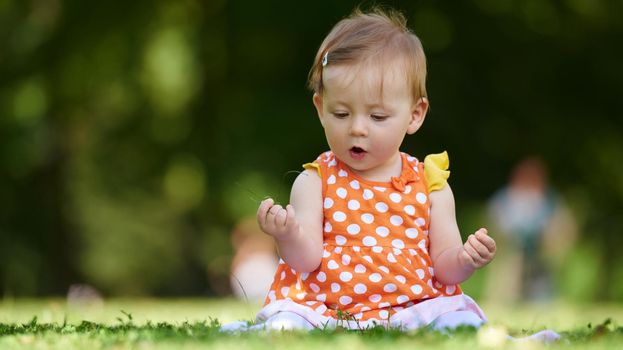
366, 113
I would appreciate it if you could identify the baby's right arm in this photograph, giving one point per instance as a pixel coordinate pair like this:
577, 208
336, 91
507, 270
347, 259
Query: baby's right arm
298, 233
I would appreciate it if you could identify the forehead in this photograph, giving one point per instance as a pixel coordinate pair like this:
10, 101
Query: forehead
369, 80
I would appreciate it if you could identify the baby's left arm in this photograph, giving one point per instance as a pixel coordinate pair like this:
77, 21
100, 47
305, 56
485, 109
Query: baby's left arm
454, 261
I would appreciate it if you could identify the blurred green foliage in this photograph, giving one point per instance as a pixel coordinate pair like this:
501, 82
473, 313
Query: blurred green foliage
134, 135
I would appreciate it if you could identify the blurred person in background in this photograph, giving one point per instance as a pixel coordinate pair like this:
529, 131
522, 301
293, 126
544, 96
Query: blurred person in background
534, 230
254, 263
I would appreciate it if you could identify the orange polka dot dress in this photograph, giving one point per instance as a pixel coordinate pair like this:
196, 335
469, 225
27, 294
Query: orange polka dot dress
376, 261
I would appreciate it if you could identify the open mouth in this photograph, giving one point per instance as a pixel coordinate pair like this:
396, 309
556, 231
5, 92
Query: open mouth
357, 152
357, 149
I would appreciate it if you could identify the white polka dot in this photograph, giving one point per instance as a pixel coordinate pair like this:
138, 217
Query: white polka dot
321, 297
353, 205
402, 299
416, 289
332, 265
380, 189
283, 275
383, 314
367, 194
345, 259
342, 173
300, 296
354, 184
356, 248
450, 289
421, 198
397, 251
314, 287
377, 249
384, 269
401, 279
367, 218
397, 243
409, 209
331, 180
360, 268
369, 241
395, 197
375, 298
375, 277
333, 162
420, 222
412, 252
339, 216
328, 203
328, 227
381, 207
304, 275
389, 288
310, 303
411, 233
407, 189
360, 288
420, 273
326, 254
396, 220
382, 231
341, 192
335, 287
365, 308
285, 291
346, 276
422, 245
337, 250
353, 229
384, 304
340, 240
322, 308
391, 258
345, 300
272, 296
367, 258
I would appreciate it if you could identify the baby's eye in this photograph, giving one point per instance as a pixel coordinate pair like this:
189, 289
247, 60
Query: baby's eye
379, 117
340, 115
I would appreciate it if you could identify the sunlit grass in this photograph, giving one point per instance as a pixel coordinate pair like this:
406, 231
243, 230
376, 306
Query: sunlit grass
193, 323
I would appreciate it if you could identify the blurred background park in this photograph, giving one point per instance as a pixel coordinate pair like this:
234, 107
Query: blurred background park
137, 138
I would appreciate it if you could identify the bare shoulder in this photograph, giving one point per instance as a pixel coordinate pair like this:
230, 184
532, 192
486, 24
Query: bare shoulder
442, 197
306, 188
307, 178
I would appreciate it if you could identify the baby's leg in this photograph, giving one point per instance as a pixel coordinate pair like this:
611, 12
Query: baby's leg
452, 320
284, 320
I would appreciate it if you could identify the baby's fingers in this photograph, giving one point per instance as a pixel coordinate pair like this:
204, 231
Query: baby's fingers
486, 240
291, 221
475, 256
280, 215
262, 211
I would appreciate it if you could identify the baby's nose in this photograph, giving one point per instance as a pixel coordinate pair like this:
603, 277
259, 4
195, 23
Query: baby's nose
358, 127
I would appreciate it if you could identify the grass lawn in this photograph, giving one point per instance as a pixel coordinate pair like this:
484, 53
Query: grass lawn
191, 323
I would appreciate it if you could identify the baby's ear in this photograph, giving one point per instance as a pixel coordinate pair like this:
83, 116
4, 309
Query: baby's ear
317, 99
418, 114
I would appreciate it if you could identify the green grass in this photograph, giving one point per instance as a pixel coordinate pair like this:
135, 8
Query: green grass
190, 324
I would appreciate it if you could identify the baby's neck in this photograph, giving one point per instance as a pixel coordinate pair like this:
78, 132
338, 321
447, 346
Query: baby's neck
384, 172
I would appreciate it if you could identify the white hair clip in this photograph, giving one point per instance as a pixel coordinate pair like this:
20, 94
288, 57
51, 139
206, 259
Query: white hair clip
325, 59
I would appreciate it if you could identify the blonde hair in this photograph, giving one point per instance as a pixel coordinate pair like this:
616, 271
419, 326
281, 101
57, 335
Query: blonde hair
379, 36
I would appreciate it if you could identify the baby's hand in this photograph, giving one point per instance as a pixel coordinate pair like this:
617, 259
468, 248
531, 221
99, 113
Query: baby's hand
276, 221
478, 250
